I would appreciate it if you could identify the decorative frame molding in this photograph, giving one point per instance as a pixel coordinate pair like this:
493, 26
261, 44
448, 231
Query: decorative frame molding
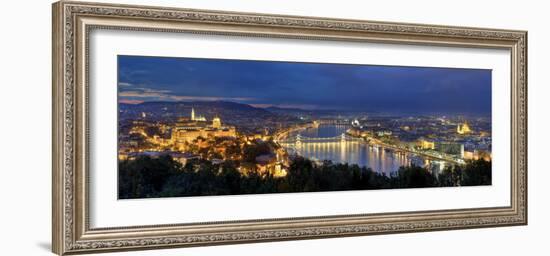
72, 22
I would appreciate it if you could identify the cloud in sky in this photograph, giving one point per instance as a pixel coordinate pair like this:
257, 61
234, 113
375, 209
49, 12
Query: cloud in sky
309, 85
128, 101
137, 94
123, 84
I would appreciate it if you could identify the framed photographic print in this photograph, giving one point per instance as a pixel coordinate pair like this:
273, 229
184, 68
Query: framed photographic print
178, 127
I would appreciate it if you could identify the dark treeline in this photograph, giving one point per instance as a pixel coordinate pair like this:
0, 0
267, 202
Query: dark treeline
148, 177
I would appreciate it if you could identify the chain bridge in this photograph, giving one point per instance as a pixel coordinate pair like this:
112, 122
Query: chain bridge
299, 139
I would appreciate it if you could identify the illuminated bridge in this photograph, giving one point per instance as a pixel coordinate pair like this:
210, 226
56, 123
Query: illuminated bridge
299, 139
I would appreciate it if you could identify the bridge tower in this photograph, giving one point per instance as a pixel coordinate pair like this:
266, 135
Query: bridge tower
298, 139
343, 138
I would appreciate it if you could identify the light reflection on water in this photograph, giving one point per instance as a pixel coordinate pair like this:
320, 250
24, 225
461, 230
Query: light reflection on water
359, 153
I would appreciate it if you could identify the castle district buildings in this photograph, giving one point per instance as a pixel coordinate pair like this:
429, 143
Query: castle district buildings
180, 135
188, 130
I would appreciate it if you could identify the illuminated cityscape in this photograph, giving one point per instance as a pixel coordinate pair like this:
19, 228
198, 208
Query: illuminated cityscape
264, 143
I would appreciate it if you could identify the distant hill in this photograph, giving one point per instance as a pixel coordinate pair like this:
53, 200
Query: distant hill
285, 110
299, 111
205, 108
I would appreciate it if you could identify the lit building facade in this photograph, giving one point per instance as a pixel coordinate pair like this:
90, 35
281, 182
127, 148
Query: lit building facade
189, 134
197, 127
463, 128
216, 123
425, 144
195, 117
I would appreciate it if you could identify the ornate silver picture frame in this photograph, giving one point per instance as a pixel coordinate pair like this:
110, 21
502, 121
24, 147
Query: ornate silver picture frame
74, 21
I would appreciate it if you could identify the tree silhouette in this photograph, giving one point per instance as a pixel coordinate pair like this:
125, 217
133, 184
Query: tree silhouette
147, 177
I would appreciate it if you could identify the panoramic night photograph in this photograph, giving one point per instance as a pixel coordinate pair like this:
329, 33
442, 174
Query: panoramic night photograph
208, 127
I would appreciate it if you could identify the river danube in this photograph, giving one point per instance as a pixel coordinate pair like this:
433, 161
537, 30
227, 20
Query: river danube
378, 159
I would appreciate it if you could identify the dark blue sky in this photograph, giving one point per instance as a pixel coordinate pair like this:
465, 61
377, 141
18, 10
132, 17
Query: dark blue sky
389, 89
